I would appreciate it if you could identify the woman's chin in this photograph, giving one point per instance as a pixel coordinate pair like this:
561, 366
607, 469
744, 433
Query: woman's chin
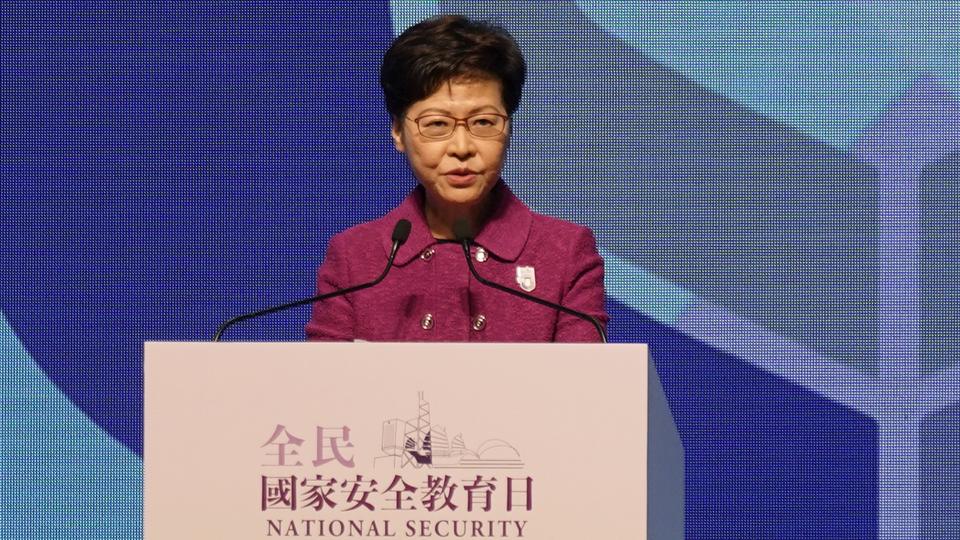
466, 195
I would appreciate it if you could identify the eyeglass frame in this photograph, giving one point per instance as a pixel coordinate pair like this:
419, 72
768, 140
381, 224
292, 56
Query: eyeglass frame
458, 121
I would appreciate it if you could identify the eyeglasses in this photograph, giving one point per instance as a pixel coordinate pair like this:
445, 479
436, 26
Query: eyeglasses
439, 126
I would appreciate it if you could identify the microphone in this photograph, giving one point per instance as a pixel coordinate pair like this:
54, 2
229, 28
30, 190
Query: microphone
461, 230
401, 231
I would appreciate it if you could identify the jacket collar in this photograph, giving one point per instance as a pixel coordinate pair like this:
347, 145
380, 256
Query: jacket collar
504, 234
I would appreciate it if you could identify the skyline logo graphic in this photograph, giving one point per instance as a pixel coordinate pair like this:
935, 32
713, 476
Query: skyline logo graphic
417, 442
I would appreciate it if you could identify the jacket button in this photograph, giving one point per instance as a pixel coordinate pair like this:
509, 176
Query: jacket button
479, 322
427, 254
426, 322
481, 254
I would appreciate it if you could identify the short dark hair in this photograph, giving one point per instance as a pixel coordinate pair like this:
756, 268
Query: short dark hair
448, 47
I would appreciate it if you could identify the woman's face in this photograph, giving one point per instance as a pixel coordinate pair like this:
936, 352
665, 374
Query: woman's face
461, 170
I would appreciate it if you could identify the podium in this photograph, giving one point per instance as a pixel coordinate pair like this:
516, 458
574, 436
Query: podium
406, 440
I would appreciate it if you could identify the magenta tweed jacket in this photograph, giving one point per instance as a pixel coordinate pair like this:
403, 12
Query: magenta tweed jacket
430, 295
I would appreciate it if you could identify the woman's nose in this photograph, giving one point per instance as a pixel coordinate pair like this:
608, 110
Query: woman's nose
461, 142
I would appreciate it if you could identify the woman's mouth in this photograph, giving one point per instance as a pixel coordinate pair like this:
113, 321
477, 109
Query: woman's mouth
460, 177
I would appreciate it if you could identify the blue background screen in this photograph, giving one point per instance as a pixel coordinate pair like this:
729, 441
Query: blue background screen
773, 187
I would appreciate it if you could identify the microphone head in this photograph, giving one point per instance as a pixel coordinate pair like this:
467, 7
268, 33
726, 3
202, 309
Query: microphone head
401, 231
461, 230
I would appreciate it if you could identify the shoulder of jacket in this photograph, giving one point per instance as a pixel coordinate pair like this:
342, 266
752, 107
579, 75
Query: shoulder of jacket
358, 240
361, 232
552, 229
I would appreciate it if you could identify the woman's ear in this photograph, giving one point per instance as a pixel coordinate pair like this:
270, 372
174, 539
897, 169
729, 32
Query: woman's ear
508, 132
396, 132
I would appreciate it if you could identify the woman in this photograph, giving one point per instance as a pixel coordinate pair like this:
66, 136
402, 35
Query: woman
451, 86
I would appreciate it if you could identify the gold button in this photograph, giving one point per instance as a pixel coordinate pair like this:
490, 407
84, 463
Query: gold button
481, 254
426, 322
427, 254
479, 322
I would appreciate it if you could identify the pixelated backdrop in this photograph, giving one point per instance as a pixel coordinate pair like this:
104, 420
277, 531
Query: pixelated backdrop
773, 187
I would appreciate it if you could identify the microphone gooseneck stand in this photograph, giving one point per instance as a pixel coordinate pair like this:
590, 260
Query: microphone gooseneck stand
461, 231
401, 231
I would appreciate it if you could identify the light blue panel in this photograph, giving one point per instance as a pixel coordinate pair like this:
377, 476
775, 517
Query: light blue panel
940, 474
63, 477
826, 68
406, 13
644, 292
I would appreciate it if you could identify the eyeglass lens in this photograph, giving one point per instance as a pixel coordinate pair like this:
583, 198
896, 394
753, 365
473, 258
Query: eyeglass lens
479, 125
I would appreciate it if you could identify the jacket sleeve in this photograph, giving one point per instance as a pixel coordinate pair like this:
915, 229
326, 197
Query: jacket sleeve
583, 291
333, 319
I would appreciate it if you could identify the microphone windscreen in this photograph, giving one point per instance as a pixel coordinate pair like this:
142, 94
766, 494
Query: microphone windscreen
401, 231
461, 230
